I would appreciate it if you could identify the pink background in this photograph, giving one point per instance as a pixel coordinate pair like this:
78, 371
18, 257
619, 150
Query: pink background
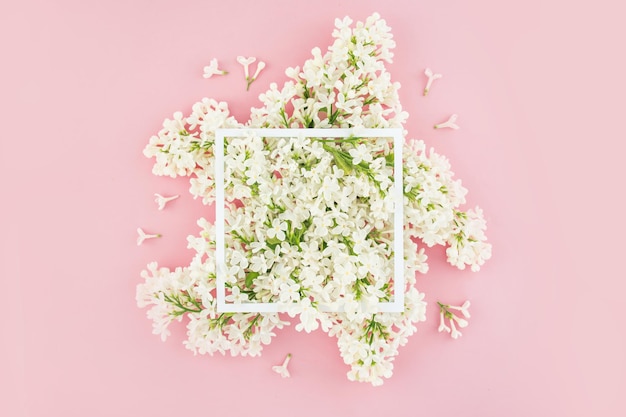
539, 87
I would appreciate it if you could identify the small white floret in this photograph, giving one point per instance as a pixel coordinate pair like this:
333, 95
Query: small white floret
143, 236
162, 201
450, 123
212, 69
431, 77
259, 68
282, 369
246, 69
442, 324
246, 64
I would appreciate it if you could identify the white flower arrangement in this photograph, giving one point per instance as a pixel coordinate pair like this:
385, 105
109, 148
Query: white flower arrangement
308, 221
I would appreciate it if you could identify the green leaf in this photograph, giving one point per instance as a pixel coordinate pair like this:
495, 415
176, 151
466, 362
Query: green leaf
250, 277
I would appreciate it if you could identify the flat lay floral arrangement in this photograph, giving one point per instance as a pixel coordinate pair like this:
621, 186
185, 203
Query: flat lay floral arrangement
308, 221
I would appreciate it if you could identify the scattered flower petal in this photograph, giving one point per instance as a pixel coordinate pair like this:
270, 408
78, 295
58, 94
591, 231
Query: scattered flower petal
442, 324
455, 334
143, 236
431, 77
464, 309
445, 313
450, 123
246, 69
162, 201
282, 369
212, 69
246, 64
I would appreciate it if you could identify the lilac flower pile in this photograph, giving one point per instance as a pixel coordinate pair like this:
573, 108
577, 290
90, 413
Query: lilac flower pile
309, 221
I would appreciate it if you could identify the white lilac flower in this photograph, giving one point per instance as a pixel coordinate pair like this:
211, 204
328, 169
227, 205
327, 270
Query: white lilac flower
142, 236
277, 230
464, 309
467, 241
345, 273
162, 201
260, 66
212, 69
442, 324
453, 319
308, 314
282, 369
450, 123
322, 225
246, 62
307, 221
431, 77
236, 296
330, 188
289, 292
361, 153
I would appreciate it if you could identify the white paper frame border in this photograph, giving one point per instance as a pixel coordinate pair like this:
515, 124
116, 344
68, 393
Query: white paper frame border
397, 305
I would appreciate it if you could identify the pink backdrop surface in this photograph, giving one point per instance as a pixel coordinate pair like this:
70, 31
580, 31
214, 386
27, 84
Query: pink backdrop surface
539, 87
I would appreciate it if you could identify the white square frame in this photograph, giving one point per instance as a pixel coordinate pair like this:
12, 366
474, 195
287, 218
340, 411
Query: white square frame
395, 306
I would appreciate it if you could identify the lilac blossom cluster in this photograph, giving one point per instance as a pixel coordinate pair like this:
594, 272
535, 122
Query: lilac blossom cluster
310, 221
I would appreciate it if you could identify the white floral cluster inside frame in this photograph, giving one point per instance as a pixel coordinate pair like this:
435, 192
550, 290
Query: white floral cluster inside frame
313, 215
315, 225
